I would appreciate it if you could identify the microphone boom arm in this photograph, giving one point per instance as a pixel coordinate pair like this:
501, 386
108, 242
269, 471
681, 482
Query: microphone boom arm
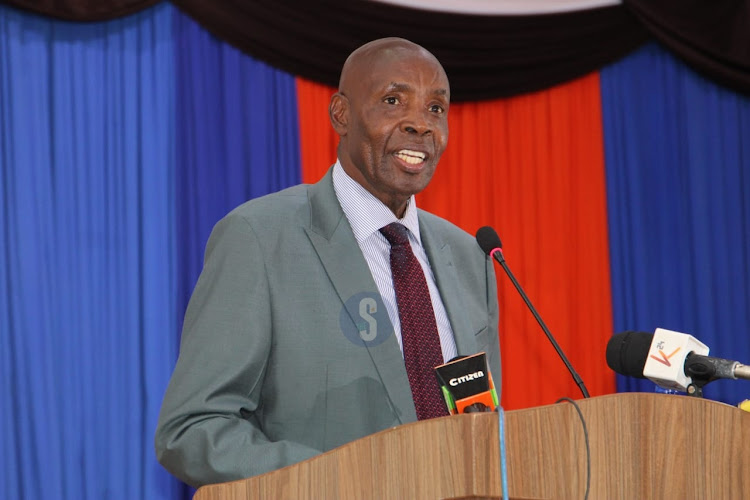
497, 253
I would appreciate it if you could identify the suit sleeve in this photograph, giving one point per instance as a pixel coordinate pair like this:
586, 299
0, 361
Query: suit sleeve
208, 430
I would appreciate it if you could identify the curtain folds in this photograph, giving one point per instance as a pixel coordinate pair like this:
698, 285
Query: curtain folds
318, 141
712, 37
486, 55
87, 295
677, 182
83, 10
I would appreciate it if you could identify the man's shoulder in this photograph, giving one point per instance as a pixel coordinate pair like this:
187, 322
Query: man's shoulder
286, 202
294, 204
445, 228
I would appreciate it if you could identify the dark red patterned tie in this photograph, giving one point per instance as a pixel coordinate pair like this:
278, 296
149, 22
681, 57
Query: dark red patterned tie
419, 331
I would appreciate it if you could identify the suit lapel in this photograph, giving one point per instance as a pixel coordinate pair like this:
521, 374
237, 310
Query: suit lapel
441, 262
339, 253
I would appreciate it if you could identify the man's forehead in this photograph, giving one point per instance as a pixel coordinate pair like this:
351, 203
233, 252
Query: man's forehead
385, 48
404, 73
384, 61
396, 58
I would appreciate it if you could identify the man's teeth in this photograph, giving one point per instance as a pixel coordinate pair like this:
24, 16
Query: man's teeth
411, 157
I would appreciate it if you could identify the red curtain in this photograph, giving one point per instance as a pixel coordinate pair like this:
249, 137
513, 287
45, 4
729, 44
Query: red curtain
533, 168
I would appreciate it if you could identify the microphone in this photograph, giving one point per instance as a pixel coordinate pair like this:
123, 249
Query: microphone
490, 243
670, 359
467, 384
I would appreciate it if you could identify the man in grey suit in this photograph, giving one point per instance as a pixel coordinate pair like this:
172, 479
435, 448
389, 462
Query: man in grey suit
292, 342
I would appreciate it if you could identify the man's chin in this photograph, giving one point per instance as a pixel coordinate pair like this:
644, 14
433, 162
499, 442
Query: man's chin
416, 186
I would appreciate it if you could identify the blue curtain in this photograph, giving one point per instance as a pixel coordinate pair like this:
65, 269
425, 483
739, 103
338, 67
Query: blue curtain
237, 133
87, 313
678, 179
121, 144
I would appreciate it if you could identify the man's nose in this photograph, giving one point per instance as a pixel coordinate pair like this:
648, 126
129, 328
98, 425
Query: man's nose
417, 123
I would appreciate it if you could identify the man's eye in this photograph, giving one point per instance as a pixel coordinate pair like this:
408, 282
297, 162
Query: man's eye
436, 108
391, 100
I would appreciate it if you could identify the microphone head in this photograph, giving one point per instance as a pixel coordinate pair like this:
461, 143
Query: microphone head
488, 239
627, 352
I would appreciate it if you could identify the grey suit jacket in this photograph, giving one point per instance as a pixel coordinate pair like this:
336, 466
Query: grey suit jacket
271, 370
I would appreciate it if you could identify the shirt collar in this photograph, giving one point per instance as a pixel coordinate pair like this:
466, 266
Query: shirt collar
366, 213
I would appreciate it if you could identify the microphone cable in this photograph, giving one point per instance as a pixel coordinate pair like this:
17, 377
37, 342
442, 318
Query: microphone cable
503, 460
586, 438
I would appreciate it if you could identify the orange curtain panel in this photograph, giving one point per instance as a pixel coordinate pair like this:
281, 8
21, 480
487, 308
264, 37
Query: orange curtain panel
532, 167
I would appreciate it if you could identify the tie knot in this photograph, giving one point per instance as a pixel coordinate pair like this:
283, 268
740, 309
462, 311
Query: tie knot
396, 234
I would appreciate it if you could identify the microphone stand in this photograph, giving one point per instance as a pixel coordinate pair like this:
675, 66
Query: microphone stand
500, 258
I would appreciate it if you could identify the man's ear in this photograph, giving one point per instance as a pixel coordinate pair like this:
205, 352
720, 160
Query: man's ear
338, 111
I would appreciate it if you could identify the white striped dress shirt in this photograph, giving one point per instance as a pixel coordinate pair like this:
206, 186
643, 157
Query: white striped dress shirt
366, 215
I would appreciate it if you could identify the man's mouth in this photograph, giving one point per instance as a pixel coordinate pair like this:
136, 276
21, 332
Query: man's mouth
411, 157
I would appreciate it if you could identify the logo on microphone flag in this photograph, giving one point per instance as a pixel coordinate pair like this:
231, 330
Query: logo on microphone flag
664, 358
467, 384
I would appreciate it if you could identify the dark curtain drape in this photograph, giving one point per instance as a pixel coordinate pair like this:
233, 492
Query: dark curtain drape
712, 37
83, 10
485, 56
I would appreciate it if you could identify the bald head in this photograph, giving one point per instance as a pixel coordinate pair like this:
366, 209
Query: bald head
391, 115
367, 55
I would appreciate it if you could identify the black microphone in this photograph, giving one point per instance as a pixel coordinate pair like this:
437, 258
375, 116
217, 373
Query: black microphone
628, 354
490, 243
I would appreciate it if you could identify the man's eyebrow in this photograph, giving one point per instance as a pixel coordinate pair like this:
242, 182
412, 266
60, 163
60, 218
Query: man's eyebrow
405, 87
399, 87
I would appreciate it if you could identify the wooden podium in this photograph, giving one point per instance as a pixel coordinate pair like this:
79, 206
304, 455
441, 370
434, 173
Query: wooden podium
643, 446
